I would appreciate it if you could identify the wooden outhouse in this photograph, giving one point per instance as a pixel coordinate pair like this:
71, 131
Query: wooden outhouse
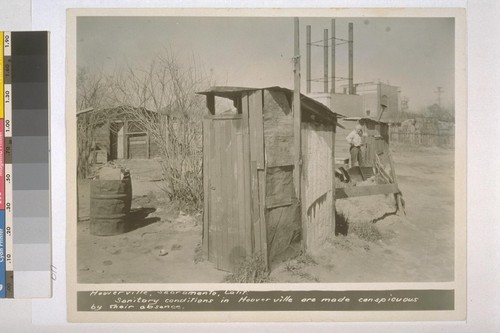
251, 204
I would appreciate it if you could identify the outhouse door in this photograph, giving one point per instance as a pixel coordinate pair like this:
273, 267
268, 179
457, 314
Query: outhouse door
227, 226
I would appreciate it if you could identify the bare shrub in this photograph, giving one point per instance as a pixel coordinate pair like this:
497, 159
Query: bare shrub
250, 270
366, 231
198, 254
296, 267
305, 259
342, 242
92, 94
168, 89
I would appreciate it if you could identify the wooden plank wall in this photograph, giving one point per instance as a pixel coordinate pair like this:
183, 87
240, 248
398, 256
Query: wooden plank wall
318, 189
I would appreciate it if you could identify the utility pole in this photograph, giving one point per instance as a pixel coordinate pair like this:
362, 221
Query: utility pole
308, 59
325, 60
439, 91
296, 121
351, 59
333, 55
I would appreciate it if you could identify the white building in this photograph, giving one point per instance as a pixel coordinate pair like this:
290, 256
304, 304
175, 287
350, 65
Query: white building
375, 96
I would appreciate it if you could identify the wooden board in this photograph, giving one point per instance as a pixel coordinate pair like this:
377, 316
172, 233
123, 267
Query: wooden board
217, 221
334, 132
255, 201
256, 128
278, 129
302, 193
206, 193
247, 189
212, 181
243, 202
359, 191
227, 161
256, 140
262, 218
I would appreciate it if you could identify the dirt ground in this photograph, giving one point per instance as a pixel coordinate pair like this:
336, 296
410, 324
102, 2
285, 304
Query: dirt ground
164, 243
418, 247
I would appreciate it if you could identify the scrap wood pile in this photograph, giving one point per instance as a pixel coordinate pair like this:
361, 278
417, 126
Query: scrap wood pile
368, 194
366, 208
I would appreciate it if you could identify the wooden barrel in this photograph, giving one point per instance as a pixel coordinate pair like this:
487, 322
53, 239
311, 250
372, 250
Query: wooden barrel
110, 202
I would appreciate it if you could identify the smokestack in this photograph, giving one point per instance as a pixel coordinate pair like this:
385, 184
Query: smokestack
351, 67
333, 56
308, 59
325, 60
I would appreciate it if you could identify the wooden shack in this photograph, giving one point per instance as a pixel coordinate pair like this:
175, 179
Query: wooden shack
250, 202
376, 140
377, 159
118, 135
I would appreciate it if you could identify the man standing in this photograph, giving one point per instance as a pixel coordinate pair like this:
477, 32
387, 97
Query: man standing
355, 139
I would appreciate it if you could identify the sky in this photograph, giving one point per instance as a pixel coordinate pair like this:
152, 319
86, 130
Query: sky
415, 54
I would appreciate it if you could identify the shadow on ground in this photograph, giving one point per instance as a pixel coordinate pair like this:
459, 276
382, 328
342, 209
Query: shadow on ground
138, 218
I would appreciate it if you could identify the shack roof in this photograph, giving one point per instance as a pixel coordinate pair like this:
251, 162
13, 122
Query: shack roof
308, 104
364, 119
116, 109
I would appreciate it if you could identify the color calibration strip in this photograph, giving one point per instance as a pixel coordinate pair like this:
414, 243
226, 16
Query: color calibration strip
24, 166
3, 234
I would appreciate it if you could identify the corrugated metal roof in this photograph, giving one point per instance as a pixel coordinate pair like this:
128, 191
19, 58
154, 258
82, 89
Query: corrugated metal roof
363, 119
225, 91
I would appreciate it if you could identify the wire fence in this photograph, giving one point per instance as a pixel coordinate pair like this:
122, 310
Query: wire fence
443, 137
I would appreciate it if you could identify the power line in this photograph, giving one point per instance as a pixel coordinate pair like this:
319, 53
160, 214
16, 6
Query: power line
319, 43
337, 78
329, 39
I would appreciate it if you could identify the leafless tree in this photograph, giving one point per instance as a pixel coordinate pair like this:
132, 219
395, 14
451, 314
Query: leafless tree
168, 89
92, 95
